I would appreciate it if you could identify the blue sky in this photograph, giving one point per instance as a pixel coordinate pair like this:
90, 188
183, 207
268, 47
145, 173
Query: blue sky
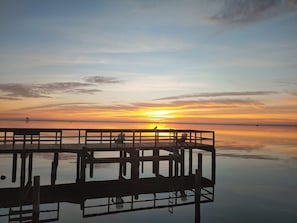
101, 55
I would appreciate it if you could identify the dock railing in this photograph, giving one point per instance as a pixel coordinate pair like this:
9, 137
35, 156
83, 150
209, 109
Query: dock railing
108, 137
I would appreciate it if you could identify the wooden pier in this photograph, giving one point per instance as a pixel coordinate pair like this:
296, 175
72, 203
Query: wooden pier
134, 146
130, 149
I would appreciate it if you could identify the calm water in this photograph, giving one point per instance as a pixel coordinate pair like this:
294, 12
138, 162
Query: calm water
256, 178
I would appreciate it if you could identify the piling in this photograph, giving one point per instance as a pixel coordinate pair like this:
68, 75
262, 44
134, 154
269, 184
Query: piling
14, 167
36, 198
198, 183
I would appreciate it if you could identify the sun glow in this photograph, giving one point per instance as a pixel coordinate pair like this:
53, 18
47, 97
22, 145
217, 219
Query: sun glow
160, 114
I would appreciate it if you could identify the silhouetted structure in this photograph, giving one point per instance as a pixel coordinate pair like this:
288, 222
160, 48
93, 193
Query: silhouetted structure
133, 146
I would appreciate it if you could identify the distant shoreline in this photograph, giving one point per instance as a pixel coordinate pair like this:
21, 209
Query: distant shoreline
150, 122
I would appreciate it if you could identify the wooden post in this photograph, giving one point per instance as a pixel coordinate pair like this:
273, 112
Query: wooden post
54, 168
5, 138
197, 195
213, 160
156, 154
213, 167
23, 168
121, 164
176, 160
182, 163
30, 168
125, 164
190, 161
14, 167
200, 163
135, 164
24, 142
83, 165
170, 165
36, 198
61, 139
78, 159
92, 166
198, 186
79, 136
142, 163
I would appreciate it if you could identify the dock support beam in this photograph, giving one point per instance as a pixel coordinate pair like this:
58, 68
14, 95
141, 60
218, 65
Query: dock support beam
135, 164
198, 185
54, 168
190, 161
156, 153
36, 198
14, 167
83, 165
92, 165
30, 168
182, 163
78, 160
23, 168
213, 167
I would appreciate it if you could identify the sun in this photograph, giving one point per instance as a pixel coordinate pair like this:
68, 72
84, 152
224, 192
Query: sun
158, 115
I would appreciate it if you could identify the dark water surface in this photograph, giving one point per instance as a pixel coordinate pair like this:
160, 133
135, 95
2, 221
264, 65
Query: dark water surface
256, 179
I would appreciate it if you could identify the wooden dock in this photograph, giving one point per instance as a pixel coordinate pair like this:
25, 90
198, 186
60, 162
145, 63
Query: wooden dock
130, 147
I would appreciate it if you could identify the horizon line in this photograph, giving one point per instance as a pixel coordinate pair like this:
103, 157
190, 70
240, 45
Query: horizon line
27, 120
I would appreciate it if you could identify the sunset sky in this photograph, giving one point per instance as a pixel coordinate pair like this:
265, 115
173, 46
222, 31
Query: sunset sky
191, 61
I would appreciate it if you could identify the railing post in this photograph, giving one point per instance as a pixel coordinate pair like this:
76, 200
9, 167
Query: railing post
110, 139
61, 136
79, 136
133, 142
213, 139
4, 137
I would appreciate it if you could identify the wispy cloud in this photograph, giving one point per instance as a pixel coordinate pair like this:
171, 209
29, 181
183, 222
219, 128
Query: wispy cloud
8, 98
42, 90
102, 80
246, 11
15, 91
218, 94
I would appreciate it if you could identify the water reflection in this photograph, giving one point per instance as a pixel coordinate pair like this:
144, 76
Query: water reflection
31, 202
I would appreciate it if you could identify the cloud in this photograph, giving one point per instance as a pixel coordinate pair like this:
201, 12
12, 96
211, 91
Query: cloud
218, 94
246, 11
55, 105
16, 90
8, 98
102, 80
